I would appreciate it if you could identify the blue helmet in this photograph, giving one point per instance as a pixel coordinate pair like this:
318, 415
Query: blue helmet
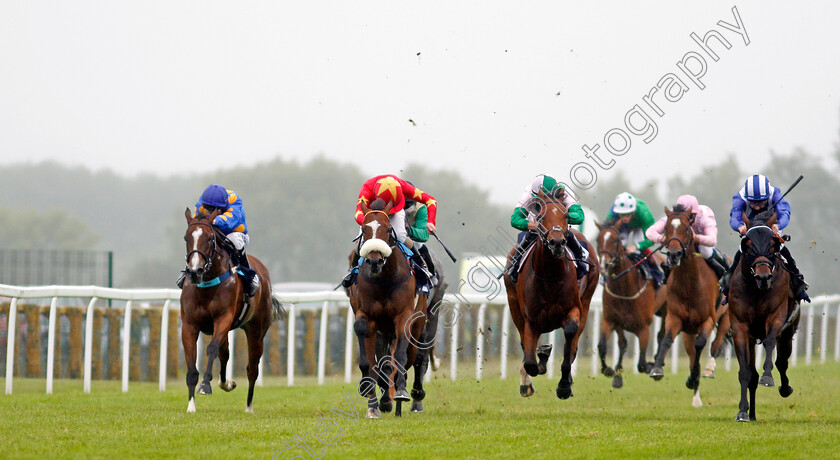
215, 195
757, 188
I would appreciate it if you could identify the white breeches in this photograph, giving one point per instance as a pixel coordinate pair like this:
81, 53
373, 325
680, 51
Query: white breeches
240, 240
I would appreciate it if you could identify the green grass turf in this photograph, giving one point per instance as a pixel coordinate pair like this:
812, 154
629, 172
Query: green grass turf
463, 419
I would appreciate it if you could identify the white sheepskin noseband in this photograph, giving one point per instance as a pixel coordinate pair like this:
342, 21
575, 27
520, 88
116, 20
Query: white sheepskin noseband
375, 245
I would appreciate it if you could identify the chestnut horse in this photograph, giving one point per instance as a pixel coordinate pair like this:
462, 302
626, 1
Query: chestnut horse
691, 300
384, 300
213, 302
761, 308
547, 296
630, 303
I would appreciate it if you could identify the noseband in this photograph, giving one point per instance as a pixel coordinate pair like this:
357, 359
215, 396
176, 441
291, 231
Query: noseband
208, 260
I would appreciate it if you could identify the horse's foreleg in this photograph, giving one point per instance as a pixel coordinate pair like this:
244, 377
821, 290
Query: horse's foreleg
753, 382
224, 357
769, 345
618, 380
401, 360
669, 332
644, 338
189, 337
367, 386
570, 331
255, 352
784, 348
221, 327
529, 347
603, 338
742, 345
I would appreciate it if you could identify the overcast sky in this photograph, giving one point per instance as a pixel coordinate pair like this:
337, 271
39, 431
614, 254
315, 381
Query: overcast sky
500, 91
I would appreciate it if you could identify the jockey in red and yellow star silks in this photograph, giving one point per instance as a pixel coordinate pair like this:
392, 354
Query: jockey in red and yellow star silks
391, 188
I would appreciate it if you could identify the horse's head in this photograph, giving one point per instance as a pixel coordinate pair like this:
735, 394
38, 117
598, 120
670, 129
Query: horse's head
760, 247
610, 249
200, 238
679, 237
552, 222
376, 235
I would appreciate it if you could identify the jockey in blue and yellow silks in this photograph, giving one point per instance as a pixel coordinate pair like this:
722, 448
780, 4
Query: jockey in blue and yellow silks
232, 223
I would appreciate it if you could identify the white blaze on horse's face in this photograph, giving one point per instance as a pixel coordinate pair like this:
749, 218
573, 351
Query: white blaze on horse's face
195, 261
374, 226
676, 224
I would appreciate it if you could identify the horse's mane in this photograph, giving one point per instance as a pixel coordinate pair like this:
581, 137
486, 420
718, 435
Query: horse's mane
378, 204
763, 217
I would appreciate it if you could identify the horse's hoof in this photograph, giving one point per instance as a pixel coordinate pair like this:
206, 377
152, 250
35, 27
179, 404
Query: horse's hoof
709, 373
205, 389
401, 395
656, 373
249, 410
607, 371
532, 369
742, 417
417, 406
618, 381
564, 392
645, 368
386, 405
526, 390
767, 381
785, 390
692, 383
373, 413
418, 395
544, 351
228, 385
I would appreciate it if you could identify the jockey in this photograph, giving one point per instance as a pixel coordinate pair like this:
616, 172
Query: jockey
633, 218
524, 219
705, 232
757, 196
416, 221
391, 188
232, 223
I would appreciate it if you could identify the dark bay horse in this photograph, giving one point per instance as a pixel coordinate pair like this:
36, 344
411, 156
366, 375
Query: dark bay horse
213, 302
384, 300
547, 296
630, 303
691, 300
761, 308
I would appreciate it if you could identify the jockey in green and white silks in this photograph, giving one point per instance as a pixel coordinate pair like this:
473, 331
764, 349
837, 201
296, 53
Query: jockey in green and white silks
416, 221
632, 217
524, 218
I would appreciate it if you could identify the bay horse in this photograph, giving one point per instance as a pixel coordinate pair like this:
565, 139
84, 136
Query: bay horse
213, 302
762, 309
547, 296
629, 303
383, 300
691, 300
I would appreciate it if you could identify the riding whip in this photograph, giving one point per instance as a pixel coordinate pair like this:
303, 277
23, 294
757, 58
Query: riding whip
637, 263
789, 189
444, 247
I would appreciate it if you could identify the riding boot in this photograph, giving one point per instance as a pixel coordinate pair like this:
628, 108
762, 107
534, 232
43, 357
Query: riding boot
430, 264
655, 273
720, 258
529, 238
797, 280
181, 278
250, 278
421, 272
727, 276
580, 255
719, 269
666, 271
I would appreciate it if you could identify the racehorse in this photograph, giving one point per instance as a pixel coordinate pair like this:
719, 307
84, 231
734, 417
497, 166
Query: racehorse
425, 348
547, 296
761, 308
213, 302
384, 300
691, 300
629, 303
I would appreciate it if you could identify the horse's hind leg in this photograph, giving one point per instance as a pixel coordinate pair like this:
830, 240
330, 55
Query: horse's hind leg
255, 352
644, 338
224, 356
769, 345
618, 380
189, 337
421, 366
717, 345
694, 353
602, 347
529, 347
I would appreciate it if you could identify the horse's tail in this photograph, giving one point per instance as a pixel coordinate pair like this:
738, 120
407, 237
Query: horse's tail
278, 310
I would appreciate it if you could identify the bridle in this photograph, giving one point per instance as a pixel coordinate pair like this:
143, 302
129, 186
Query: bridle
557, 228
614, 262
684, 246
768, 260
208, 259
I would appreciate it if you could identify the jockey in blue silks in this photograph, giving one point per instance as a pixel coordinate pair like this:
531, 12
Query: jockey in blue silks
757, 196
232, 223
